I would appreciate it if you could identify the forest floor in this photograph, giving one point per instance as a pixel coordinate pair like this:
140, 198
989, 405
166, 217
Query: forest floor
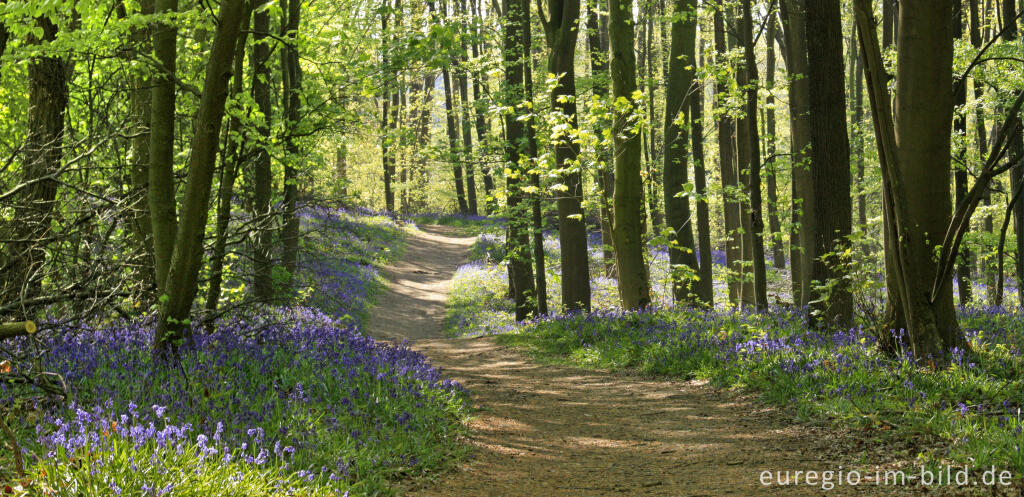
551, 430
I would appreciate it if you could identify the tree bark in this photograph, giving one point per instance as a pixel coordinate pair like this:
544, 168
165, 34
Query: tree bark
231, 161
774, 225
291, 92
830, 162
162, 199
262, 176
634, 286
728, 173
183, 274
802, 237
705, 285
516, 147
963, 268
678, 95
560, 29
753, 165
597, 39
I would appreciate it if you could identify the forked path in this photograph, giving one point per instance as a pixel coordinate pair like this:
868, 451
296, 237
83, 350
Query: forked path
545, 430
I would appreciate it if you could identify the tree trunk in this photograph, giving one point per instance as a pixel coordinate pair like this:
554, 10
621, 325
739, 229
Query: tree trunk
561, 33
597, 39
42, 156
386, 152
291, 91
981, 140
915, 153
140, 105
262, 176
231, 160
537, 201
753, 166
162, 199
705, 285
802, 237
454, 156
1016, 147
678, 96
634, 286
518, 237
183, 274
729, 174
830, 162
480, 113
467, 125
774, 225
963, 268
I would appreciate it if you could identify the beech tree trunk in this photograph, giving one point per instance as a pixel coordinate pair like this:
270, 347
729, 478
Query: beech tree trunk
291, 91
705, 285
774, 225
560, 30
753, 165
678, 96
162, 198
729, 174
627, 230
521, 284
830, 163
262, 176
597, 38
802, 237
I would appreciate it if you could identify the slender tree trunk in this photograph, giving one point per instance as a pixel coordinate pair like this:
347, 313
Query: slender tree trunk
678, 96
183, 275
753, 185
963, 268
467, 141
561, 33
830, 160
728, 173
1016, 149
291, 92
597, 37
981, 140
705, 286
634, 285
774, 228
480, 112
230, 162
454, 156
537, 201
387, 137
518, 237
802, 237
140, 104
162, 199
262, 176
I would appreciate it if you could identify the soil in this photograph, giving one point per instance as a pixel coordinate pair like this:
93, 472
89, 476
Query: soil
548, 430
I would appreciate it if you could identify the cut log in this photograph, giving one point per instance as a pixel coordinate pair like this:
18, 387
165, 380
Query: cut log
9, 330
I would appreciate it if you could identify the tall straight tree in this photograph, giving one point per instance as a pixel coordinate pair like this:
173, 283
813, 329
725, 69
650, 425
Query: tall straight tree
727, 168
291, 89
830, 160
162, 201
597, 39
914, 149
705, 288
387, 154
753, 165
963, 268
770, 139
678, 96
467, 125
537, 201
627, 230
451, 120
561, 31
802, 237
262, 176
521, 284
182, 281
1009, 30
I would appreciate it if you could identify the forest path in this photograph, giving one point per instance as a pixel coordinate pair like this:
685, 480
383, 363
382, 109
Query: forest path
545, 430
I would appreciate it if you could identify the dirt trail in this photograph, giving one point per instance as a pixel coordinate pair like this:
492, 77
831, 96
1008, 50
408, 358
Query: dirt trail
546, 430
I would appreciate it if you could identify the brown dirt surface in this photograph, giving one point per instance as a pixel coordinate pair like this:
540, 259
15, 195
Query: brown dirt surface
548, 430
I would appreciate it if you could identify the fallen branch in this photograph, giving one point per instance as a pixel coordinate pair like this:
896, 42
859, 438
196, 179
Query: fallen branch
10, 330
